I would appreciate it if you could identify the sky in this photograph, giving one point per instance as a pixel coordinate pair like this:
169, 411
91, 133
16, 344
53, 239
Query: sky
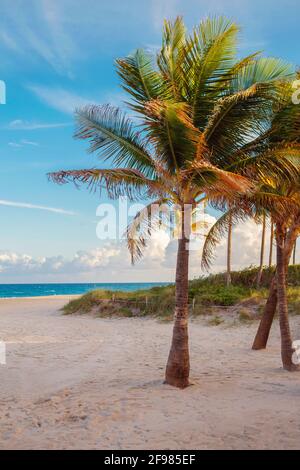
57, 55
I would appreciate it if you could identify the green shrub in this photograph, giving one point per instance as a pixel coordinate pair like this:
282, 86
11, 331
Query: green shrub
206, 292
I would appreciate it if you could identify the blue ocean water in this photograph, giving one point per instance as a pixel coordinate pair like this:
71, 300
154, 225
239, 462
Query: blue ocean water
37, 290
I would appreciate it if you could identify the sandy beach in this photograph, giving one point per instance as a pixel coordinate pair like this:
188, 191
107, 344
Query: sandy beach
76, 382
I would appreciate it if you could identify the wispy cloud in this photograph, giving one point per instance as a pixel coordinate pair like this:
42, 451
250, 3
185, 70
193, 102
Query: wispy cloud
20, 124
67, 101
59, 98
29, 142
63, 45
60, 33
9, 41
25, 205
23, 143
14, 145
40, 31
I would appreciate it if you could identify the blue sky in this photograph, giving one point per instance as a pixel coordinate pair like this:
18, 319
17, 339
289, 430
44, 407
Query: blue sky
59, 54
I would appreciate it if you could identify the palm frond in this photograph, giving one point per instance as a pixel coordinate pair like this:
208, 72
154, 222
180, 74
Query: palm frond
263, 70
244, 114
207, 178
280, 162
112, 135
286, 121
171, 132
236, 120
212, 52
171, 56
142, 226
117, 182
140, 79
279, 205
237, 68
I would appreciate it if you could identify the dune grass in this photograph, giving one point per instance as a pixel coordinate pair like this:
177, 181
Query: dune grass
204, 294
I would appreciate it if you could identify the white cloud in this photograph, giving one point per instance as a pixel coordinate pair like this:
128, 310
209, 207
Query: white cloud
23, 143
83, 261
60, 99
39, 31
111, 262
14, 145
25, 205
66, 101
53, 14
21, 125
246, 240
63, 32
29, 142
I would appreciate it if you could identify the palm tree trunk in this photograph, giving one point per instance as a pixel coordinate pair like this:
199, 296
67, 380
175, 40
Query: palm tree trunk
271, 244
178, 365
294, 253
286, 338
229, 250
262, 252
263, 332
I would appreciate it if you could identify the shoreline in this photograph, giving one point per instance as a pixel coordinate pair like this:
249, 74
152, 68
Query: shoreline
44, 297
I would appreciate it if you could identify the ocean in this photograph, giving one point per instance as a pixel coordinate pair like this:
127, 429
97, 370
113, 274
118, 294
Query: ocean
38, 290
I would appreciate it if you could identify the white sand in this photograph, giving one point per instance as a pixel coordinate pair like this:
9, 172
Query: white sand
82, 383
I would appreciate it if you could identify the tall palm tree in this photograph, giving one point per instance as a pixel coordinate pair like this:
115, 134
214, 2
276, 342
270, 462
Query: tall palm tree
286, 229
287, 226
285, 128
282, 201
263, 332
200, 110
283, 136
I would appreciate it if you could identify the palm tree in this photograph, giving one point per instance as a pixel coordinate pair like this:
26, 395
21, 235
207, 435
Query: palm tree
286, 229
197, 109
281, 139
282, 202
278, 195
285, 128
263, 332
